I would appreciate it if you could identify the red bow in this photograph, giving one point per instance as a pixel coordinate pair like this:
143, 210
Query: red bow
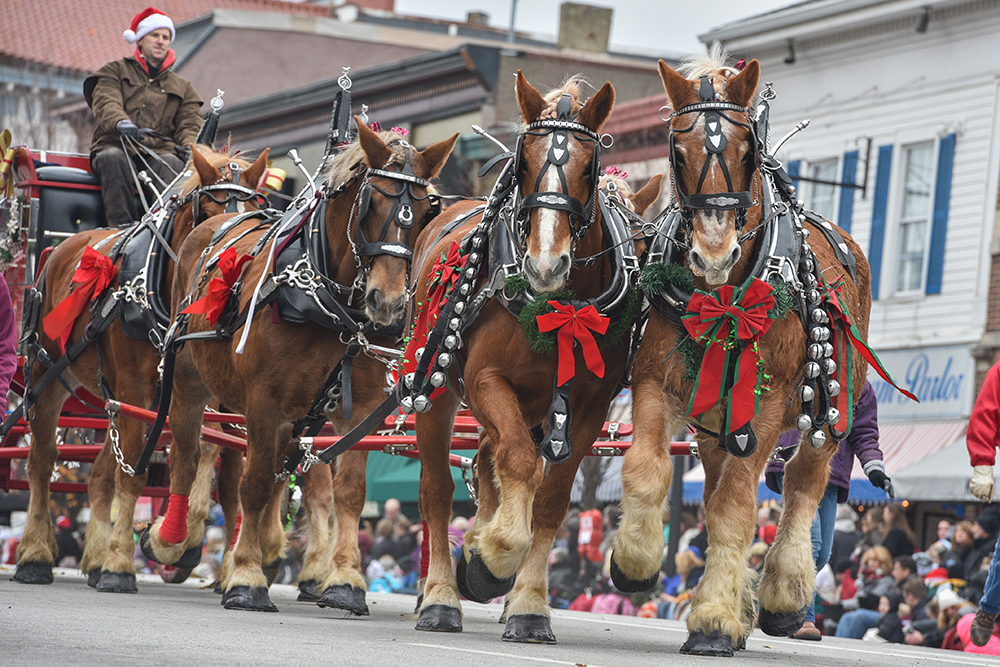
575, 325
213, 304
725, 321
92, 277
444, 275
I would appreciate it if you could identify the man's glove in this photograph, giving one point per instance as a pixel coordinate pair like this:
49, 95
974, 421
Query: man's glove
127, 128
183, 152
880, 480
981, 485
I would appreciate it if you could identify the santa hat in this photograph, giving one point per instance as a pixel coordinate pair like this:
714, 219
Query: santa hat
63, 522
147, 21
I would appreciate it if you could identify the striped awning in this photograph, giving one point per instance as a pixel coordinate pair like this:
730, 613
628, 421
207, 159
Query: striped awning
906, 443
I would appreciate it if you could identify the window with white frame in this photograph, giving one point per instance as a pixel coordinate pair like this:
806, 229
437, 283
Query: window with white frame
823, 196
914, 215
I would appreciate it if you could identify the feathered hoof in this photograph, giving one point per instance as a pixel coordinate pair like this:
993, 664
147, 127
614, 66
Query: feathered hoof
476, 582
33, 573
529, 629
626, 585
117, 582
271, 570
741, 645
346, 597
310, 591
245, 598
93, 577
716, 645
781, 624
440, 618
188, 560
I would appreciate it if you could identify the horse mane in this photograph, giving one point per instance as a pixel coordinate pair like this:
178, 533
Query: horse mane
572, 86
713, 63
345, 166
217, 159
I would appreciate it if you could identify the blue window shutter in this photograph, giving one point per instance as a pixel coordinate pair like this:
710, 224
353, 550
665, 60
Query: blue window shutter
847, 175
939, 224
879, 206
793, 168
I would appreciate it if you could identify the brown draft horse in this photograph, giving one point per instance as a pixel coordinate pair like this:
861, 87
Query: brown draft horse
722, 614
275, 380
509, 387
129, 366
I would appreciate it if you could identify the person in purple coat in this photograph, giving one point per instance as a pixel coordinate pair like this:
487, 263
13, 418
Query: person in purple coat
861, 442
8, 340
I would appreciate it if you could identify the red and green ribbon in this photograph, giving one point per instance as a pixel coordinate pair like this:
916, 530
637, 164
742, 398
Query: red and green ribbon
844, 330
213, 304
444, 274
575, 326
728, 322
91, 278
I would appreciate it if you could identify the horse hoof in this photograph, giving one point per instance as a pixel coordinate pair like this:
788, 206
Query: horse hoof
117, 582
271, 570
716, 645
310, 591
529, 629
440, 618
33, 573
93, 577
476, 582
176, 575
741, 645
503, 616
626, 585
217, 589
245, 598
420, 601
188, 560
346, 597
781, 624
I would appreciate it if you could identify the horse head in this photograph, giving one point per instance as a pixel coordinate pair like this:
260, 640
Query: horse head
558, 163
392, 206
714, 156
219, 183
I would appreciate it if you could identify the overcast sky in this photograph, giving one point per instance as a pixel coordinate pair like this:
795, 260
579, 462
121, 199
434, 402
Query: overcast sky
658, 25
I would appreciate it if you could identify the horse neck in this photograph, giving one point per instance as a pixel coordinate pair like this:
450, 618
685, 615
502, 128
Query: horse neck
340, 257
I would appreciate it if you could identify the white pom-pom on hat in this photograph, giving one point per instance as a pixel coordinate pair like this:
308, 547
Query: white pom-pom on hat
129, 36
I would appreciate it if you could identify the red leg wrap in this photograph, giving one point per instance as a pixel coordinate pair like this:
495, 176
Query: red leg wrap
425, 551
174, 528
236, 530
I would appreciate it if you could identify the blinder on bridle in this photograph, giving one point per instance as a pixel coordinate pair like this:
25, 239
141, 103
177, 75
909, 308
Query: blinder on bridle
715, 144
557, 157
228, 194
402, 208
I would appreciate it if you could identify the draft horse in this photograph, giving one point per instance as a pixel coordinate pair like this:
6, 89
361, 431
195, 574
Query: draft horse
556, 255
119, 365
732, 250
304, 362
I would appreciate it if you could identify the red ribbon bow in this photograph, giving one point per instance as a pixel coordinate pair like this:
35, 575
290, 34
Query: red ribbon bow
91, 278
729, 320
575, 325
444, 274
213, 304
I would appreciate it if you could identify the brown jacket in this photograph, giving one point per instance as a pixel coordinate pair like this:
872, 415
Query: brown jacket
123, 90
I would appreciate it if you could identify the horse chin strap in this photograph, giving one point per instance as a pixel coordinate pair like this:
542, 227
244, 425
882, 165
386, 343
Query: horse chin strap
557, 157
715, 145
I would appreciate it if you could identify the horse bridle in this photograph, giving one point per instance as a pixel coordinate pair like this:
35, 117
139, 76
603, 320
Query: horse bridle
557, 157
233, 194
715, 144
402, 208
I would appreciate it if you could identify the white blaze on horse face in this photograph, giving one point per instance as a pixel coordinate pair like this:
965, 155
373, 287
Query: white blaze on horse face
715, 245
548, 266
547, 219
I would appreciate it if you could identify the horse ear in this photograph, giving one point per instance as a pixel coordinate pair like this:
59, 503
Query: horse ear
680, 93
207, 174
529, 101
645, 197
741, 88
598, 108
436, 155
256, 170
377, 154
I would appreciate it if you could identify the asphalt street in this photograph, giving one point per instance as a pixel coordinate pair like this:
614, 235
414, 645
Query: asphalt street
67, 623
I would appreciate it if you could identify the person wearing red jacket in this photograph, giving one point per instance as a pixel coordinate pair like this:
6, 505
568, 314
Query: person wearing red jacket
982, 438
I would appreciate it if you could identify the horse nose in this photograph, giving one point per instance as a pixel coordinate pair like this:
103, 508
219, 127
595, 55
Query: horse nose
704, 266
374, 300
383, 309
544, 271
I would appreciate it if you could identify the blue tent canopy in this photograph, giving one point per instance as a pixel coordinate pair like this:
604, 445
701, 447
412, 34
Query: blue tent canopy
862, 493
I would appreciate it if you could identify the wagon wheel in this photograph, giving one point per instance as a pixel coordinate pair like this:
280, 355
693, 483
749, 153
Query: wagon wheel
173, 575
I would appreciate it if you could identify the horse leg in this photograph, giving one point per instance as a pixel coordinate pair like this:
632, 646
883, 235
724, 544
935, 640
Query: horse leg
228, 483
487, 502
317, 496
273, 542
789, 576
37, 550
527, 610
101, 493
344, 588
440, 611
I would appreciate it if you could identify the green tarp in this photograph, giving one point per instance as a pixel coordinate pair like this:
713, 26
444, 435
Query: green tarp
399, 477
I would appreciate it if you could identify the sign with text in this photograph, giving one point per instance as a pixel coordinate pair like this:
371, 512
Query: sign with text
941, 377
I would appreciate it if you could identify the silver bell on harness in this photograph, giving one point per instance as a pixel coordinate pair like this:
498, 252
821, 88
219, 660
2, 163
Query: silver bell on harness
422, 403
